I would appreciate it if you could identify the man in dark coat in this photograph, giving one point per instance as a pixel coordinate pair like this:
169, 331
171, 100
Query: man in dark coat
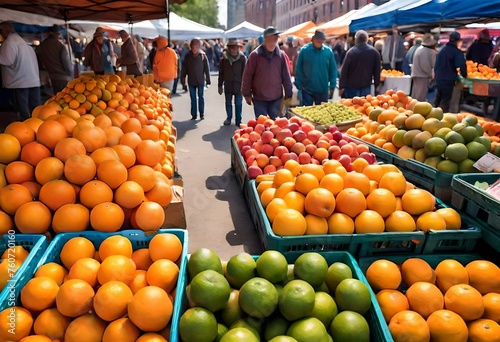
480, 50
128, 57
98, 54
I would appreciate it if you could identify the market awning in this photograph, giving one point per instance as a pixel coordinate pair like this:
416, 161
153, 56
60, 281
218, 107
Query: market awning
244, 30
97, 10
423, 11
300, 30
340, 25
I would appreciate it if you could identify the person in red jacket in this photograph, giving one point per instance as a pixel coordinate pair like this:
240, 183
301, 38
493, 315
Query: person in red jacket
165, 64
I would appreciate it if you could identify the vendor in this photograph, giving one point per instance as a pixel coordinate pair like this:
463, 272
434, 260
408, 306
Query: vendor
480, 50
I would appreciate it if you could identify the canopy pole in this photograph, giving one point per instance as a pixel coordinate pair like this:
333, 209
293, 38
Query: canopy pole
67, 35
167, 9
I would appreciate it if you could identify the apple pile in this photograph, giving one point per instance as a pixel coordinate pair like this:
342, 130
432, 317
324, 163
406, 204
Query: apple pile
267, 144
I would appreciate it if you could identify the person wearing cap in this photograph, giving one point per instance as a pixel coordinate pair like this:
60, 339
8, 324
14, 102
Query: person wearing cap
422, 71
98, 54
165, 64
361, 66
292, 53
128, 56
266, 76
55, 58
393, 51
480, 50
448, 60
195, 67
19, 67
231, 68
408, 61
316, 73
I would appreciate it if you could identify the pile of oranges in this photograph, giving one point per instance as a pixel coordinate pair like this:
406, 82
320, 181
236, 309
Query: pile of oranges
475, 70
390, 73
107, 163
448, 303
107, 294
7, 269
391, 99
326, 199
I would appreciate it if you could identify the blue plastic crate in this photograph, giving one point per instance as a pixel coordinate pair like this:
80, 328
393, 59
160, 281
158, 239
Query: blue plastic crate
36, 244
139, 240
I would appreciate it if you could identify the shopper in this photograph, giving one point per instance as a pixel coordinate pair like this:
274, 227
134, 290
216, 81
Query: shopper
231, 69
410, 55
19, 70
393, 51
292, 53
195, 67
481, 49
165, 64
448, 60
316, 73
98, 54
141, 50
361, 66
266, 76
55, 58
128, 56
422, 72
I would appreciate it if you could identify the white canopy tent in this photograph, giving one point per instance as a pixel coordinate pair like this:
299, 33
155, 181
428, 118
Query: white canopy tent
244, 30
185, 29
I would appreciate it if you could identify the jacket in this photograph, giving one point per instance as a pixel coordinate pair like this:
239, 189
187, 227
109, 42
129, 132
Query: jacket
424, 60
448, 59
231, 73
55, 58
266, 75
399, 51
129, 58
195, 68
19, 63
479, 52
98, 57
165, 65
316, 70
361, 66
409, 58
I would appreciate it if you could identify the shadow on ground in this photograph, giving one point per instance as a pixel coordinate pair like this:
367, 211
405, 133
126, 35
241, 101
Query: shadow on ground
184, 126
220, 138
244, 230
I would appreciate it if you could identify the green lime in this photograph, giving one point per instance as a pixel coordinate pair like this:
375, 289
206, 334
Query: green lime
283, 338
231, 312
311, 267
308, 329
221, 331
238, 335
289, 275
242, 323
240, 268
352, 294
210, 290
337, 272
258, 297
275, 326
325, 308
297, 300
272, 265
203, 259
350, 326
198, 325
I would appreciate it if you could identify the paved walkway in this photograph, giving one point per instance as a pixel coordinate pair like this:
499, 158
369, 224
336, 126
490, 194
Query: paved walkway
216, 212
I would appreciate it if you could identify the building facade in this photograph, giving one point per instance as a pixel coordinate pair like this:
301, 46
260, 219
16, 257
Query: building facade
261, 12
235, 13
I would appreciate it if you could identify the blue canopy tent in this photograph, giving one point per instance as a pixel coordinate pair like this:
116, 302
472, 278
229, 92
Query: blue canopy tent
422, 11
460, 10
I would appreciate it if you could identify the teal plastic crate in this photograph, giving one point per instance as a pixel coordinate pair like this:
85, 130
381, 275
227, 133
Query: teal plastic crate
382, 155
238, 165
475, 202
139, 240
356, 244
36, 244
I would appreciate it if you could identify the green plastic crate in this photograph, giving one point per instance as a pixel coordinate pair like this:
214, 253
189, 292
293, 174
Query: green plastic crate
475, 202
238, 165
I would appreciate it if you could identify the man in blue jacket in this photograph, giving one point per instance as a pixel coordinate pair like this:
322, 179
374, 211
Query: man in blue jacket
448, 59
316, 71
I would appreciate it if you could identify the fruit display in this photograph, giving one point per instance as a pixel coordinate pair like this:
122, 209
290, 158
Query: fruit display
397, 99
390, 73
475, 70
328, 113
327, 199
99, 154
266, 145
266, 299
106, 293
448, 142
17, 255
451, 302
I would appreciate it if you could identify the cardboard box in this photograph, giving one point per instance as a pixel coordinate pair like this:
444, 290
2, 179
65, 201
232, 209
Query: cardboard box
175, 216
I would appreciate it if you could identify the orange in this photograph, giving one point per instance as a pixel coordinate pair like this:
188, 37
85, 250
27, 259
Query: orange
33, 218
264, 185
149, 152
394, 182
102, 154
319, 202
306, 182
391, 302
149, 216
39, 294
126, 155
92, 138
374, 172
51, 323
464, 300
484, 276
115, 245
161, 193
88, 327
359, 164
289, 222
131, 125
151, 337
21, 131
284, 189
416, 269
339, 223
95, 192
79, 169
295, 200
85, 269
483, 330
71, 218
450, 272
418, 201
491, 303
430, 221
142, 259
369, 221
450, 217
382, 201
315, 170
111, 300
33, 152
165, 246
23, 323
107, 217
330, 166
52, 270
49, 169
282, 176
425, 298
19, 253
350, 201
139, 281
409, 326
116, 267
275, 207
445, 325
74, 249
129, 194
56, 193
357, 181
150, 309
316, 225
74, 298
383, 275
50, 133
121, 329
112, 172
400, 221
13, 196
332, 182
19, 172
163, 273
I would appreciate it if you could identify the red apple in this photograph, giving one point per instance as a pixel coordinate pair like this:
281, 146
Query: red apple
252, 123
283, 133
254, 171
266, 137
293, 127
337, 136
280, 150
333, 129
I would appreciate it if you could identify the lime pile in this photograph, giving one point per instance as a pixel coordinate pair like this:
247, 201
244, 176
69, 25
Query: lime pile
269, 300
328, 113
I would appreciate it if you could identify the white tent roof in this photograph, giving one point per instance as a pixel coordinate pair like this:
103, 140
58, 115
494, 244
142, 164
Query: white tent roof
185, 29
244, 30
28, 18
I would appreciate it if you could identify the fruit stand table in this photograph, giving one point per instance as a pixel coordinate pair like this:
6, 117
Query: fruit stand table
396, 83
488, 88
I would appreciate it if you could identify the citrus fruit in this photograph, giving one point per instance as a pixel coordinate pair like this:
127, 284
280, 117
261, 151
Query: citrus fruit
445, 325
383, 274
400, 221
337, 272
391, 302
272, 265
484, 276
210, 290
221, 331
283, 338
297, 300
23, 323
239, 269
254, 325
198, 325
275, 326
325, 308
308, 329
349, 326
353, 295
289, 222
111, 300
311, 267
39, 294
150, 309
450, 272
239, 334
491, 303
424, 298
465, 301
416, 269
88, 327
203, 259
258, 297
409, 326
483, 330
232, 311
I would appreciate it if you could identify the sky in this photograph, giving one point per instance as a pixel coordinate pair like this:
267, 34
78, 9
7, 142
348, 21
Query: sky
222, 12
